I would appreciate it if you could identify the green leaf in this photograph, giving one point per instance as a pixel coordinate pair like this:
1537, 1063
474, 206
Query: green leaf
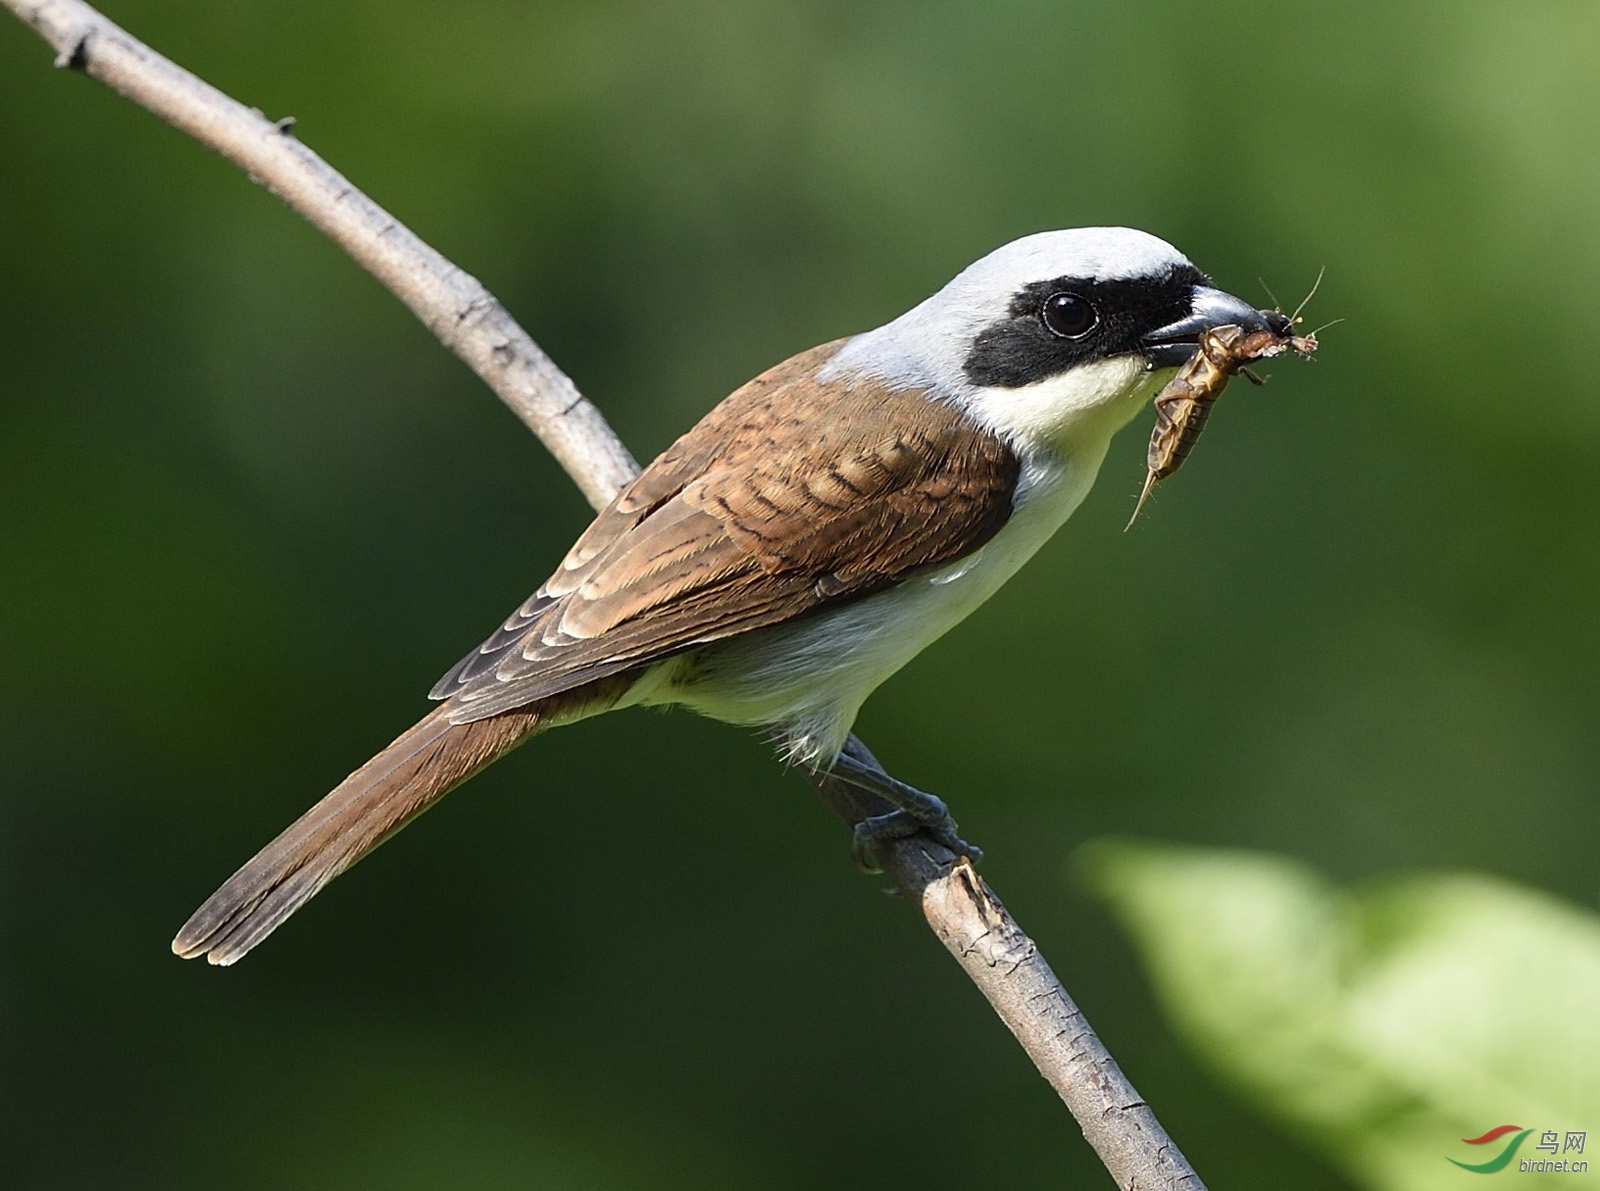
1383, 1023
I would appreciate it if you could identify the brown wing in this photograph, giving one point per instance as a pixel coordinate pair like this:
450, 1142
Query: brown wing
787, 497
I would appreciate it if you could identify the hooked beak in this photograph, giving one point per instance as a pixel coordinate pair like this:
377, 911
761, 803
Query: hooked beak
1170, 346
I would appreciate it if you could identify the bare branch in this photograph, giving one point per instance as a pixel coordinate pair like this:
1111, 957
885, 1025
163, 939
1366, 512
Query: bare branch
960, 908
464, 316
1014, 978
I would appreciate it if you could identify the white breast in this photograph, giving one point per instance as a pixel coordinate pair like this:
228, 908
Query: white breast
805, 681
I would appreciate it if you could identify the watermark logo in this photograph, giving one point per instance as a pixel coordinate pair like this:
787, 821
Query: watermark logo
1559, 1145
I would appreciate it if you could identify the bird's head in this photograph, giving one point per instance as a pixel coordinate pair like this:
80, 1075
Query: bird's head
1057, 339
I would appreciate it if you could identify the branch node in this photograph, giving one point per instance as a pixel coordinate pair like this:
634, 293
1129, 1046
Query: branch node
479, 305
74, 56
966, 875
284, 125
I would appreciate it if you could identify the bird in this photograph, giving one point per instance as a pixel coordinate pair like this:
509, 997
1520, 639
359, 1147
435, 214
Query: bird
805, 540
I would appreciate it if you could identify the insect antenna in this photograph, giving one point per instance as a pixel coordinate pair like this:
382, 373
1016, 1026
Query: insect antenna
1315, 285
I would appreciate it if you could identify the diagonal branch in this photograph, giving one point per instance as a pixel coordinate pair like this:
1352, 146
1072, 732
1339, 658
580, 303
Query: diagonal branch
465, 317
960, 908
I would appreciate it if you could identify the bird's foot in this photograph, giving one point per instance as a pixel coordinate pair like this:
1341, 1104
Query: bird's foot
915, 810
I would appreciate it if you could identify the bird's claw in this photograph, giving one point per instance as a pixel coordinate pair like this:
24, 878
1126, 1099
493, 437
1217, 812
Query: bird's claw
915, 810
898, 824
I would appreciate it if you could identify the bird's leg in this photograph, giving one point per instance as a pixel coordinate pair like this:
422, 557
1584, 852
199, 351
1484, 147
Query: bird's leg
915, 810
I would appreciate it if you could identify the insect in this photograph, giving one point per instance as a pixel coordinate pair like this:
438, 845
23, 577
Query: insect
1184, 405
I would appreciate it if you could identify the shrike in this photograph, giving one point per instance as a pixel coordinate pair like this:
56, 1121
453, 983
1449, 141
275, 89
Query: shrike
805, 540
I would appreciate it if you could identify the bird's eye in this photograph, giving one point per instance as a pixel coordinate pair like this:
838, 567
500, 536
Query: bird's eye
1069, 316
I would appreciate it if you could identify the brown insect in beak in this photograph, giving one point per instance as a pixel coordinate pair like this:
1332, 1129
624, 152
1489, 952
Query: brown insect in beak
1184, 405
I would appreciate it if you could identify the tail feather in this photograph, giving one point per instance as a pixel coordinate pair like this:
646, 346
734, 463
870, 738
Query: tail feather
423, 764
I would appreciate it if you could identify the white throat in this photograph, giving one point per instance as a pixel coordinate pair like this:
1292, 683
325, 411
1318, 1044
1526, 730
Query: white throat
1070, 415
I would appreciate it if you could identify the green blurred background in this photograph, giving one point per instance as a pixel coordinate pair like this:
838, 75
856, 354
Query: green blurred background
249, 511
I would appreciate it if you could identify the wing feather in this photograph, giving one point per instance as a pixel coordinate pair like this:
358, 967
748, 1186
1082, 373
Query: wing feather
772, 507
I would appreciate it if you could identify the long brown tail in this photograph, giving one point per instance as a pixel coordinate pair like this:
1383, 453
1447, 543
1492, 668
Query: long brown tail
425, 763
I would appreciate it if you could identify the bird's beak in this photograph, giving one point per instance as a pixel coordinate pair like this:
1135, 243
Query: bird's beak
1171, 345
